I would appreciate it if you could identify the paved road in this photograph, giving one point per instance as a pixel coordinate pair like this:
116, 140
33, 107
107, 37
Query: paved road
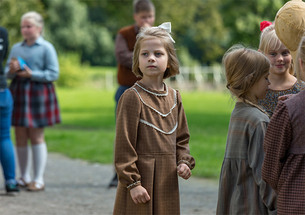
75, 187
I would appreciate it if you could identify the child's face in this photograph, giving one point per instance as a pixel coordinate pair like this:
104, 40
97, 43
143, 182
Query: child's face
153, 58
144, 19
259, 89
29, 31
280, 60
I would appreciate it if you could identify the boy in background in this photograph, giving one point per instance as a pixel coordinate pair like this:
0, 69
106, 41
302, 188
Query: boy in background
144, 16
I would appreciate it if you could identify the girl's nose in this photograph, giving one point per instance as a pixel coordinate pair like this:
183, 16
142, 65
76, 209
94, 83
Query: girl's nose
280, 57
151, 58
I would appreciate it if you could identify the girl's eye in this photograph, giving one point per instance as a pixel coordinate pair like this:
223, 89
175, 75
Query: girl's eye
158, 54
144, 54
273, 54
286, 53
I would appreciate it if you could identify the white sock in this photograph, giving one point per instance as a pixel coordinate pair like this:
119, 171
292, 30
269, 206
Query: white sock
24, 162
40, 154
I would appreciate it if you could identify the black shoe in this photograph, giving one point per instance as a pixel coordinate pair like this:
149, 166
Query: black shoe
12, 189
114, 181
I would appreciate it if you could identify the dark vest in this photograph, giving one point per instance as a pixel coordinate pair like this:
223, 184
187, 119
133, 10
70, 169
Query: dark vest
125, 75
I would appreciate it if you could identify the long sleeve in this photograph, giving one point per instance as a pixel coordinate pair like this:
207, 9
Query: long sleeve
276, 144
183, 137
122, 53
255, 152
128, 115
50, 71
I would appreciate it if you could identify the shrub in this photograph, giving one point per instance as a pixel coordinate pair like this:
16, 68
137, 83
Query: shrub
72, 73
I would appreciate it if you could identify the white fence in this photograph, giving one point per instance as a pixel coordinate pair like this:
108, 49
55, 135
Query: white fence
190, 78
199, 78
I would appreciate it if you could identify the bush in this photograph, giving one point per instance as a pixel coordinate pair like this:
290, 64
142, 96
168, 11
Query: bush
72, 73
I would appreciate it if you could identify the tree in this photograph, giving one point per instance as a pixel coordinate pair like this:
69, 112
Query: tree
199, 28
11, 12
242, 18
70, 30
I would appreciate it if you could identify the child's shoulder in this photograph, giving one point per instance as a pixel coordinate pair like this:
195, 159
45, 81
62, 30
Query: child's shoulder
126, 29
250, 113
130, 93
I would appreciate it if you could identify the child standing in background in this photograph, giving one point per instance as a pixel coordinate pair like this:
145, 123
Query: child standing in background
35, 101
151, 131
241, 188
282, 80
144, 16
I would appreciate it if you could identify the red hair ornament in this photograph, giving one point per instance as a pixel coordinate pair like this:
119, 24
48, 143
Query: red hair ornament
264, 24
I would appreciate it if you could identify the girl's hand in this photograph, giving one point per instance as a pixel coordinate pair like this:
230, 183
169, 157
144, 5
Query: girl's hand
26, 73
139, 195
285, 97
184, 171
14, 66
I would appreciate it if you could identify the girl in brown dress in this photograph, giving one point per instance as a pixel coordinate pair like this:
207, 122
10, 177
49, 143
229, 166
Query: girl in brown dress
152, 136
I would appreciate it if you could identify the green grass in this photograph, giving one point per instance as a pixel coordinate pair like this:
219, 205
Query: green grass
88, 126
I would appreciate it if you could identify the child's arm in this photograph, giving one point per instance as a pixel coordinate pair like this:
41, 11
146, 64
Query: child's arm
139, 195
255, 159
276, 143
183, 137
128, 113
122, 53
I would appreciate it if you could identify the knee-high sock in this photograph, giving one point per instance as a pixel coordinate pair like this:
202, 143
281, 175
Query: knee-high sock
24, 162
40, 155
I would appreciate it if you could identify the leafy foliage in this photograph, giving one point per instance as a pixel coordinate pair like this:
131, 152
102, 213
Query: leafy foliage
72, 73
11, 12
203, 29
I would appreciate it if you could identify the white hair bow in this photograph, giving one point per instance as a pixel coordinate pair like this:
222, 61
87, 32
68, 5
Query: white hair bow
167, 27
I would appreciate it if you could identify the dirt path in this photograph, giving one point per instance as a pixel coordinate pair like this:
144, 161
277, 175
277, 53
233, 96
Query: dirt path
75, 187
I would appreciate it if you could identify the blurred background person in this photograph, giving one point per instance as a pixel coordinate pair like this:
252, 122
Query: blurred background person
7, 155
35, 102
144, 16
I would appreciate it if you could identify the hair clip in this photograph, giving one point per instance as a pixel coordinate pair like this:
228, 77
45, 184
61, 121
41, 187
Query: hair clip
167, 27
264, 24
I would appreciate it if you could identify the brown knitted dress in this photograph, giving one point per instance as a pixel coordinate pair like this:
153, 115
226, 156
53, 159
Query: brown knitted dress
284, 164
151, 140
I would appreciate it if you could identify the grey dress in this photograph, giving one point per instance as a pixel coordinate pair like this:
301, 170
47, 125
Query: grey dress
241, 188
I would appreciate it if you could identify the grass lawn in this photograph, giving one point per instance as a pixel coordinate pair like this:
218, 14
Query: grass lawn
88, 128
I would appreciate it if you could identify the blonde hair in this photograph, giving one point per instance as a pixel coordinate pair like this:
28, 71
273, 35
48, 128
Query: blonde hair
33, 17
301, 56
164, 37
243, 68
270, 41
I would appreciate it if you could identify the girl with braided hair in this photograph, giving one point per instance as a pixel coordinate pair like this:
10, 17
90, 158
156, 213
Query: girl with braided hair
241, 188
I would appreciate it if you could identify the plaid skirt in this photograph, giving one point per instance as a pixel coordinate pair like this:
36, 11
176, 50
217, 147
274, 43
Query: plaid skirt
35, 103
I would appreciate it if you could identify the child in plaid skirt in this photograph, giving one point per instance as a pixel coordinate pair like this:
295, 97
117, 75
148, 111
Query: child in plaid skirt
35, 102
